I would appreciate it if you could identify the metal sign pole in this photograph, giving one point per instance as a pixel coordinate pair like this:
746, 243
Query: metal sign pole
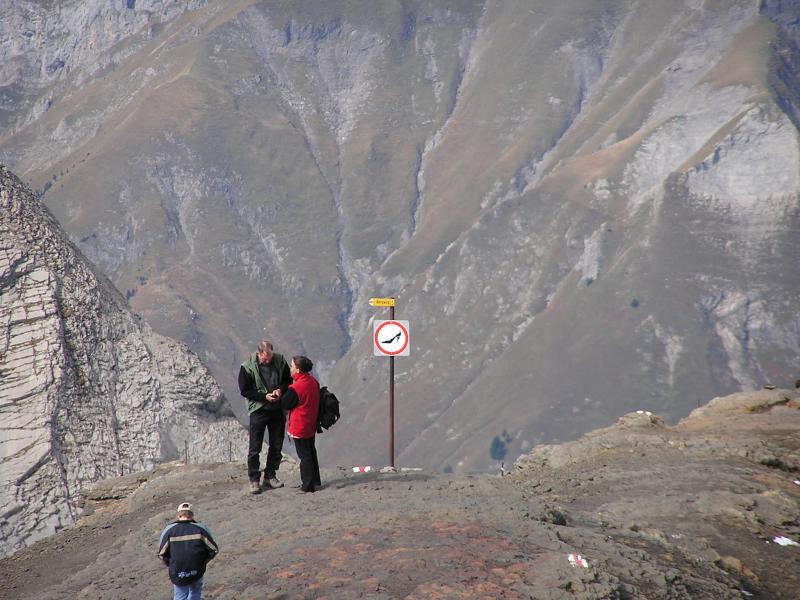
397, 336
391, 400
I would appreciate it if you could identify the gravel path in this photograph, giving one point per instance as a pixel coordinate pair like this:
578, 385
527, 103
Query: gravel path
374, 535
685, 512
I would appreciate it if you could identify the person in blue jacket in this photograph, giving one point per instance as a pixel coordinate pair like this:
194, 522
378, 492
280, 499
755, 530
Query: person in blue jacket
185, 547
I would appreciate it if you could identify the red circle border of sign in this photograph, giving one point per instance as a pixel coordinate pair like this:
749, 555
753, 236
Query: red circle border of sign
377, 344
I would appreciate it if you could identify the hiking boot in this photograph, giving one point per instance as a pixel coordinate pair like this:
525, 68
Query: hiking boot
255, 488
273, 483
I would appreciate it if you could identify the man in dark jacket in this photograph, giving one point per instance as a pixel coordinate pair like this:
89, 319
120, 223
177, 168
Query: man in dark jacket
262, 380
186, 546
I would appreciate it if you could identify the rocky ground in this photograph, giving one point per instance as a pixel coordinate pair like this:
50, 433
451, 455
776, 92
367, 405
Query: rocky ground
690, 511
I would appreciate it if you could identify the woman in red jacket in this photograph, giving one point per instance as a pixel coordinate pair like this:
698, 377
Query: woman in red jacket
301, 399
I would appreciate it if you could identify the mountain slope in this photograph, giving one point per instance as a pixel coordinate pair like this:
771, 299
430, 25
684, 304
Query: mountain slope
572, 201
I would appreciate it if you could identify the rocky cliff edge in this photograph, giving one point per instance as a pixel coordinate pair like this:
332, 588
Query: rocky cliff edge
87, 390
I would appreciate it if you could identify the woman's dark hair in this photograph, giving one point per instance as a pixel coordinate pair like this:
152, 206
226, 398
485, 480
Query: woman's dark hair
303, 363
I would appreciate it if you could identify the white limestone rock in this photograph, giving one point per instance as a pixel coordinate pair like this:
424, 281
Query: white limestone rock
87, 390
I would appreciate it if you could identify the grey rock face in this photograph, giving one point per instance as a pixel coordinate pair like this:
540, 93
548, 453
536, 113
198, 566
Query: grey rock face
87, 390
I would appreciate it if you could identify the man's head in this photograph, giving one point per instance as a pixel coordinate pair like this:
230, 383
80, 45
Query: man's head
185, 512
264, 352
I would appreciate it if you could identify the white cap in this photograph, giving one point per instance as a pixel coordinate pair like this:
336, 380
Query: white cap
185, 507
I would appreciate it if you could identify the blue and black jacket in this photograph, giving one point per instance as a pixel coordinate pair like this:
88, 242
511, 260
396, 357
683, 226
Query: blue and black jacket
186, 546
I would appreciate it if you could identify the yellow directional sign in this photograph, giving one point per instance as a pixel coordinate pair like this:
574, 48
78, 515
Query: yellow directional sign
381, 301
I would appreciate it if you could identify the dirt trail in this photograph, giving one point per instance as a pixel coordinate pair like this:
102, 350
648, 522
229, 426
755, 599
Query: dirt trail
363, 536
656, 511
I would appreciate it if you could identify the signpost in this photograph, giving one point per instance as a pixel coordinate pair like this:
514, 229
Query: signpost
390, 338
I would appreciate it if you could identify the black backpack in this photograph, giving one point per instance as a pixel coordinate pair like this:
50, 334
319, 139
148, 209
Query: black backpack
328, 409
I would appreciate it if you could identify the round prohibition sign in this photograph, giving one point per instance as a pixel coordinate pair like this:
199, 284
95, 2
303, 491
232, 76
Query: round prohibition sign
390, 333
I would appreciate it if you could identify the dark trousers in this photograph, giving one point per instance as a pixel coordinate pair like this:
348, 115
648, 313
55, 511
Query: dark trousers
309, 465
275, 424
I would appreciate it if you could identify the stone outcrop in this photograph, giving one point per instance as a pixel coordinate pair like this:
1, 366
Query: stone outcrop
715, 490
87, 389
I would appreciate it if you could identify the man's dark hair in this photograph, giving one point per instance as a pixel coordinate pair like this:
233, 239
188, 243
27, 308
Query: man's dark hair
303, 363
264, 345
